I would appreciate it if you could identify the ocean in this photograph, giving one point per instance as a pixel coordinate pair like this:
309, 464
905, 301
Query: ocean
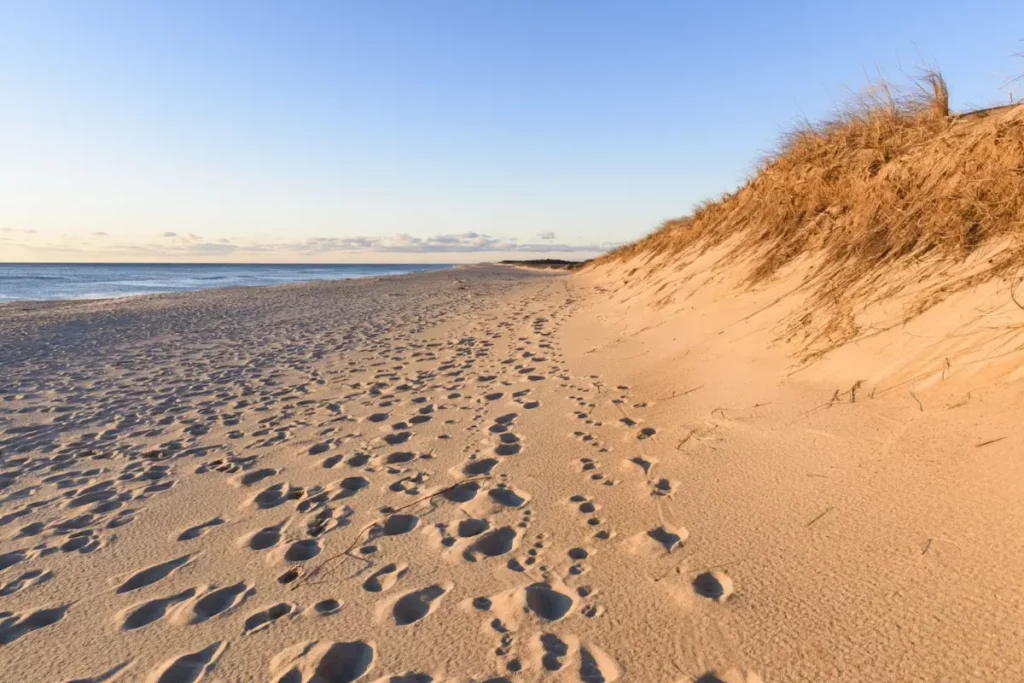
44, 281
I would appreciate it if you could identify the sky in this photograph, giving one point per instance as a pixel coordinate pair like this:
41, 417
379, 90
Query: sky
427, 130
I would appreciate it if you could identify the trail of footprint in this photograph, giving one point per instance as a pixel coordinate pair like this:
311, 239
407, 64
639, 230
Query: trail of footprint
188, 668
151, 575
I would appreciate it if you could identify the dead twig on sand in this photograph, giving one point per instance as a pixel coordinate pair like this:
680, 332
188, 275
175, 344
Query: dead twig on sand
989, 442
685, 439
677, 395
813, 521
359, 537
853, 390
919, 404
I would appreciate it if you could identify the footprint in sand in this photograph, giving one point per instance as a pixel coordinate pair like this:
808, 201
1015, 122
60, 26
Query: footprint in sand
323, 662
253, 477
396, 525
275, 495
146, 613
462, 493
14, 626
263, 539
547, 602
188, 668
415, 606
28, 579
151, 575
714, 585
492, 544
384, 578
220, 601
474, 468
667, 537
297, 551
198, 530
262, 619
326, 608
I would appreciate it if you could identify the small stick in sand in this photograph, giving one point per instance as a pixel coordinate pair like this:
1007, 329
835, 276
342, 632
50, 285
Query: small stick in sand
685, 439
990, 441
819, 517
919, 404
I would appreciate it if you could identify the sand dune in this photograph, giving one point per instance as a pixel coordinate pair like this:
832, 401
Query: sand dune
493, 474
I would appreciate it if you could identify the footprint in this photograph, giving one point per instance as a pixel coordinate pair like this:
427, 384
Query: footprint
415, 606
30, 578
274, 495
327, 607
151, 575
493, 544
253, 477
597, 667
479, 467
555, 650
12, 558
506, 496
546, 602
264, 539
13, 626
146, 613
468, 528
198, 530
669, 537
396, 525
257, 621
214, 603
384, 578
188, 668
301, 551
462, 493
715, 585
323, 662
81, 542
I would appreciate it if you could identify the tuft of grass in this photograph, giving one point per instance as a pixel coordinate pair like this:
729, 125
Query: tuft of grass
893, 179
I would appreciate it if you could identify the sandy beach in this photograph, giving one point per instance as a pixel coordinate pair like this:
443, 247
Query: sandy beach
496, 474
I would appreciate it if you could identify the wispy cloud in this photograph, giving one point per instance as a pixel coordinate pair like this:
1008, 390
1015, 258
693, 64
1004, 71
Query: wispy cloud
176, 246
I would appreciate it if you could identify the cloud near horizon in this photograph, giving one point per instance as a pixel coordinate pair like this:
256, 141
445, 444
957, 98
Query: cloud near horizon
174, 246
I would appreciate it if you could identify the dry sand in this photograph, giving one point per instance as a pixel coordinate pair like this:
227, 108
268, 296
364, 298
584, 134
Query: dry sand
264, 485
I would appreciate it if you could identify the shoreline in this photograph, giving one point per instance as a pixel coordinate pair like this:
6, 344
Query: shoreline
240, 266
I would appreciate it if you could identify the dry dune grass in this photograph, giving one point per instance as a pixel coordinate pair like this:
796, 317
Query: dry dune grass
893, 193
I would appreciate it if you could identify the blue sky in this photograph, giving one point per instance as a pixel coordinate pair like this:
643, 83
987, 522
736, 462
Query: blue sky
436, 130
